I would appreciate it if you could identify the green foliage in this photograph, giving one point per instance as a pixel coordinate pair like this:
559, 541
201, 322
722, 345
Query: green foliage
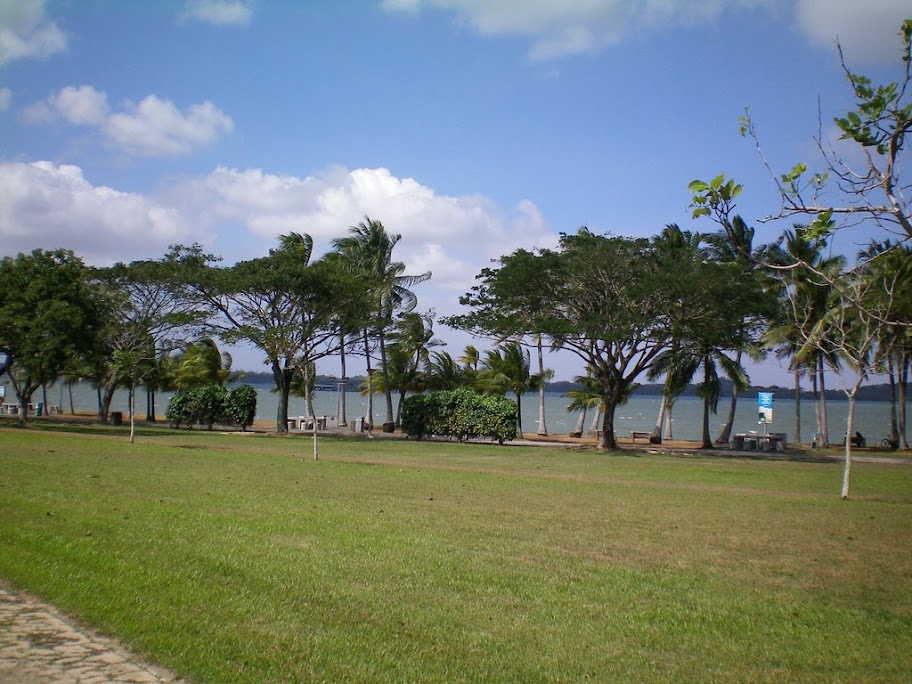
716, 197
459, 413
240, 405
198, 406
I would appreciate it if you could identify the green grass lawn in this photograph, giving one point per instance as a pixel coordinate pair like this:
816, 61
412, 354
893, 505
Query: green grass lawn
240, 559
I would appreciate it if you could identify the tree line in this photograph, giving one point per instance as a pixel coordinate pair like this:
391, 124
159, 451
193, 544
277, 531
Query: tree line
679, 306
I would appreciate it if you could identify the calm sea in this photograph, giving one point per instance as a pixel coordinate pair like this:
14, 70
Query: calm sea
872, 419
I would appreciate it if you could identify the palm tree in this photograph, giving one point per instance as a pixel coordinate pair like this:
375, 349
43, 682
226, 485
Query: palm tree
805, 280
442, 372
890, 265
199, 364
367, 252
735, 245
509, 369
588, 396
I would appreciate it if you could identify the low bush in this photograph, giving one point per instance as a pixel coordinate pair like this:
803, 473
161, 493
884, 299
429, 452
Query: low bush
212, 404
460, 413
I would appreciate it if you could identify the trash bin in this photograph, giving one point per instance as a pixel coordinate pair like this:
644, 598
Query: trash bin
116, 417
39, 408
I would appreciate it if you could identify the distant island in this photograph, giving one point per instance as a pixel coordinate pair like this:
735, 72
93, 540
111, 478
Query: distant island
873, 392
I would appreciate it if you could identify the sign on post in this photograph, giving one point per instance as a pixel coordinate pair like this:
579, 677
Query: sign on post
765, 407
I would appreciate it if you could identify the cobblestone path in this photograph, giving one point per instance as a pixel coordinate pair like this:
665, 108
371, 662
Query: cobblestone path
38, 645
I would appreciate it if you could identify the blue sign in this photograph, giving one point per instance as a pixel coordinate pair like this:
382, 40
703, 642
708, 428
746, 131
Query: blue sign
765, 407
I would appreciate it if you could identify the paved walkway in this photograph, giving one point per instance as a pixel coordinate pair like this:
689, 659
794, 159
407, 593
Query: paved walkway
38, 645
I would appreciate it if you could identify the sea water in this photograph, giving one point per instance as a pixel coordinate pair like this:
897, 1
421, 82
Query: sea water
872, 418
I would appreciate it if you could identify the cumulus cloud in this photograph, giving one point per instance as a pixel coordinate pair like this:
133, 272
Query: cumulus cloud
868, 32
218, 12
151, 127
453, 236
6, 96
26, 33
558, 28
50, 206
241, 213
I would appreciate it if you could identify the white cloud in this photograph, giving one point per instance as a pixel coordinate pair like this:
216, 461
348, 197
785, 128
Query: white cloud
557, 28
50, 206
6, 96
26, 33
565, 27
453, 236
152, 127
868, 31
218, 12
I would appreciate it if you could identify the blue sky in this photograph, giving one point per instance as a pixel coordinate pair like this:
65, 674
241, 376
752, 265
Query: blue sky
470, 127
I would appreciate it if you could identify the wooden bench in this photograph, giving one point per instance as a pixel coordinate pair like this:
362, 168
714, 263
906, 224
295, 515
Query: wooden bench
634, 434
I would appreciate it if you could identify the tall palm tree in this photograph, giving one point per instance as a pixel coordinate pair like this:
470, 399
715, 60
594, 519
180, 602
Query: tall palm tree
805, 278
367, 251
735, 245
890, 265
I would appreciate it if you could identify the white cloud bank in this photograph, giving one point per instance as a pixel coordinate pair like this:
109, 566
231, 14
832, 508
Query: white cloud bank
217, 12
151, 127
26, 33
49, 206
868, 31
452, 236
558, 28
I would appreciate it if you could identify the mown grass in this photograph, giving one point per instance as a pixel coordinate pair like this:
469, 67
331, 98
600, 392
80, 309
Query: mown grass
240, 559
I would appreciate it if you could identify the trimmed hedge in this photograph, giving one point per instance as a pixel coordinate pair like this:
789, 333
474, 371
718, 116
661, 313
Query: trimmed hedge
460, 413
212, 404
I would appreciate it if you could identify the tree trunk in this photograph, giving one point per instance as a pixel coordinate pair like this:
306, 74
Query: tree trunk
542, 427
850, 432
519, 414
580, 424
725, 435
707, 440
283, 384
343, 421
825, 424
797, 406
669, 421
132, 408
370, 382
609, 439
815, 397
656, 436
389, 425
903, 396
596, 421
894, 416
150, 405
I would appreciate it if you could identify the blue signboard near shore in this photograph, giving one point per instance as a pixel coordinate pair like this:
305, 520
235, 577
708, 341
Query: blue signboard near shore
765, 407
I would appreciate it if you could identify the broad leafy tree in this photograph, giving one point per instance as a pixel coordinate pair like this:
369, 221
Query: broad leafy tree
603, 298
285, 306
50, 316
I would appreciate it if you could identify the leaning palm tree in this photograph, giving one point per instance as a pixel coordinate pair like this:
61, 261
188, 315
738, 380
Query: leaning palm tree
442, 372
589, 395
367, 252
